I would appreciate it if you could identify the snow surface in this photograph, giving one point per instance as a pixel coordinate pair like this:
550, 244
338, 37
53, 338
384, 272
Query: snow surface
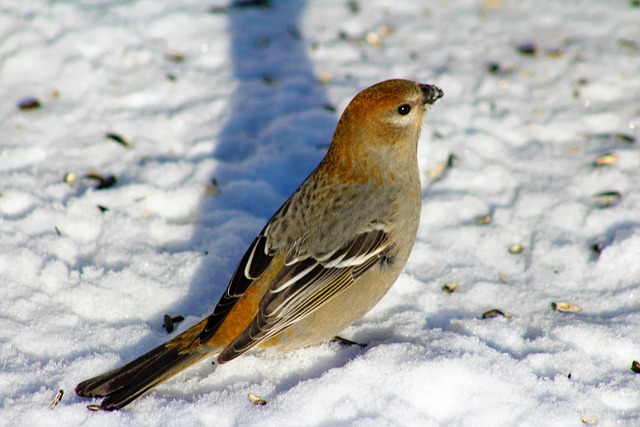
234, 95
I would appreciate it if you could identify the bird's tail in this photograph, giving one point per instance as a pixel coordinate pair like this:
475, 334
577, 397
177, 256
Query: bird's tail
127, 383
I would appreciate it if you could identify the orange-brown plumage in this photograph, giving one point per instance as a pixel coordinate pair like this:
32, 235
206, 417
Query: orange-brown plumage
323, 260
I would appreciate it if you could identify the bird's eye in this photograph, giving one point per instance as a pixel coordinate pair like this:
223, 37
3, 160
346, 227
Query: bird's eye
404, 109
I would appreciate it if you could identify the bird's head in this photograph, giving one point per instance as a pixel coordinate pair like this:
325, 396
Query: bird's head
384, 120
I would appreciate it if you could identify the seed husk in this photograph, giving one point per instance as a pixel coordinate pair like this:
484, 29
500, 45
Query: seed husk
565, 307
437, 171
256, 400
325, 77
176, 56
608, 159
554, 53
373, 39
627, 44
516, 249
484, 220
450, 288
589, 420
70, 178
56, 399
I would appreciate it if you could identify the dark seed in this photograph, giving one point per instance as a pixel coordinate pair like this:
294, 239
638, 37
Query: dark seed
622, 137
103, 183
607, 198
493, 68
117, 138
109, 182
248, 4
527, 48
295, 33
29, 104
354, 7
495, 313
452, 160
596, 249
635, 367
268, 80
214, 188
103, 208
170, 322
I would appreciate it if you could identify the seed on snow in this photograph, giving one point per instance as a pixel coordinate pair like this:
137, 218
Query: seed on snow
565, 307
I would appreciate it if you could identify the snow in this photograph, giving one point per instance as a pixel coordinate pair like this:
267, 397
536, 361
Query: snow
225, 114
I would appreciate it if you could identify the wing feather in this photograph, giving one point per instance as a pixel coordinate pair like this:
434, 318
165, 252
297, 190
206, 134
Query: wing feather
303, 286
254, 262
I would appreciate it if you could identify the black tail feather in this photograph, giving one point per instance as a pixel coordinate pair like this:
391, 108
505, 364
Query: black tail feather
125, 384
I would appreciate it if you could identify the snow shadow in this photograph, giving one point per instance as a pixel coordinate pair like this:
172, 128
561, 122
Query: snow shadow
277, 131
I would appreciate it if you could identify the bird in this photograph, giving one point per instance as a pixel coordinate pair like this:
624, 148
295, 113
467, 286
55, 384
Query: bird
325, 258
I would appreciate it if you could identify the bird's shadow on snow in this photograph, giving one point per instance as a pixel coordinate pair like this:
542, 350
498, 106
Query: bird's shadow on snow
268, 145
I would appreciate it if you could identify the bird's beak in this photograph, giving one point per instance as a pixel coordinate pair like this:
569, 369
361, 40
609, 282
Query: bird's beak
431, 93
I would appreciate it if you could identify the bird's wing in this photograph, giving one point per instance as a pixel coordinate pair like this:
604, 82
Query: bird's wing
254, 262
305, 284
